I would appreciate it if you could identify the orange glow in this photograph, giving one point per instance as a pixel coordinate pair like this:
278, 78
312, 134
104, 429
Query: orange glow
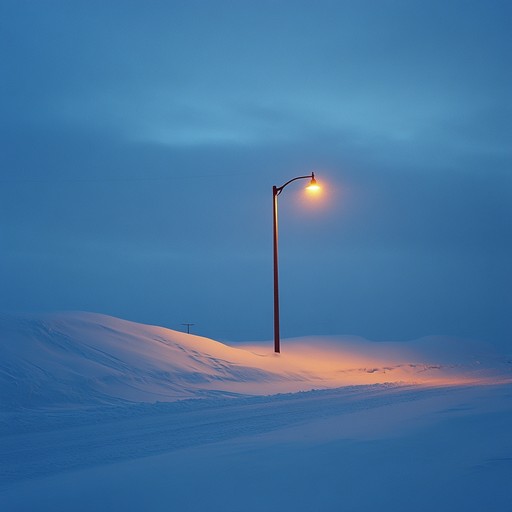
313, 186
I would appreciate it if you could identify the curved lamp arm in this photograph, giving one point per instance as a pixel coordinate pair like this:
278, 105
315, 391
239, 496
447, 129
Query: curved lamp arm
278, 190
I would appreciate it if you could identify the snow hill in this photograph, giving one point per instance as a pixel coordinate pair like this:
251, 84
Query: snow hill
69, 359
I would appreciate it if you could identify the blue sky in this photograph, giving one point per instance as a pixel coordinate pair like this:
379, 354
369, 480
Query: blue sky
140, 142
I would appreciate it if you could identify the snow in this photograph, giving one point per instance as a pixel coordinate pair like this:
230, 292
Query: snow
98, 413
69, 359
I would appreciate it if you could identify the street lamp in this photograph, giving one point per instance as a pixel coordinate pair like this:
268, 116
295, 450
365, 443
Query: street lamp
313, 186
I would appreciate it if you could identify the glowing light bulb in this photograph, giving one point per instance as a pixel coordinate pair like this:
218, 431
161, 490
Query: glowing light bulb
313, 185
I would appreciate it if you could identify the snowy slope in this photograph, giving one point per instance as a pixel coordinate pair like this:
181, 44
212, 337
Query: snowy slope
91, 419
90, 358
68, 359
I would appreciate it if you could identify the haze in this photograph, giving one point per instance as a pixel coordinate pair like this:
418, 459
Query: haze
140, 142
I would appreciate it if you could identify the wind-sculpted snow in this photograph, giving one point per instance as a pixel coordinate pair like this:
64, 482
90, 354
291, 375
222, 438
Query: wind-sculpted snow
103, 414
135, 431
378, 447
69, 359
81, 358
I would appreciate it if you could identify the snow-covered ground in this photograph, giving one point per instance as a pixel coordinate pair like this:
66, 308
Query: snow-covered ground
98, 413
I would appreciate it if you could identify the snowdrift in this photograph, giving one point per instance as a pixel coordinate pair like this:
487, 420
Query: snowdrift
69, 359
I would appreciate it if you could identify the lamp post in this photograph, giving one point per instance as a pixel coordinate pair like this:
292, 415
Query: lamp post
276, 191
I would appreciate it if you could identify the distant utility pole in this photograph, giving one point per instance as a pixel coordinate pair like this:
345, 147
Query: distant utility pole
188, 327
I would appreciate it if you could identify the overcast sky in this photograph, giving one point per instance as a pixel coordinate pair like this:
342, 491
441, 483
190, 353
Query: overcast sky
140, 142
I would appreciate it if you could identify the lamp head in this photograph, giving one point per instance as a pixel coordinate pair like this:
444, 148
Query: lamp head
313, 185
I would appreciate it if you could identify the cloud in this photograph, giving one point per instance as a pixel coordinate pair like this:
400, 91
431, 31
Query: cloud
144, 142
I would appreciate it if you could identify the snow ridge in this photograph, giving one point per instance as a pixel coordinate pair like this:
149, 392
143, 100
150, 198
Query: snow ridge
67, 359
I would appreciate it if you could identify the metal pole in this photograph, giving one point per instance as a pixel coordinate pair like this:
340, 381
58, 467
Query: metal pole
275, 192
277, 340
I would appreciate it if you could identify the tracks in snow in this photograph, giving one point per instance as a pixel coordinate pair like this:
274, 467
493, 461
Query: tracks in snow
38, 444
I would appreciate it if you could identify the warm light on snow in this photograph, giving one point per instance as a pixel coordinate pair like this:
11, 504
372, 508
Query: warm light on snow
84, 357
93, 417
